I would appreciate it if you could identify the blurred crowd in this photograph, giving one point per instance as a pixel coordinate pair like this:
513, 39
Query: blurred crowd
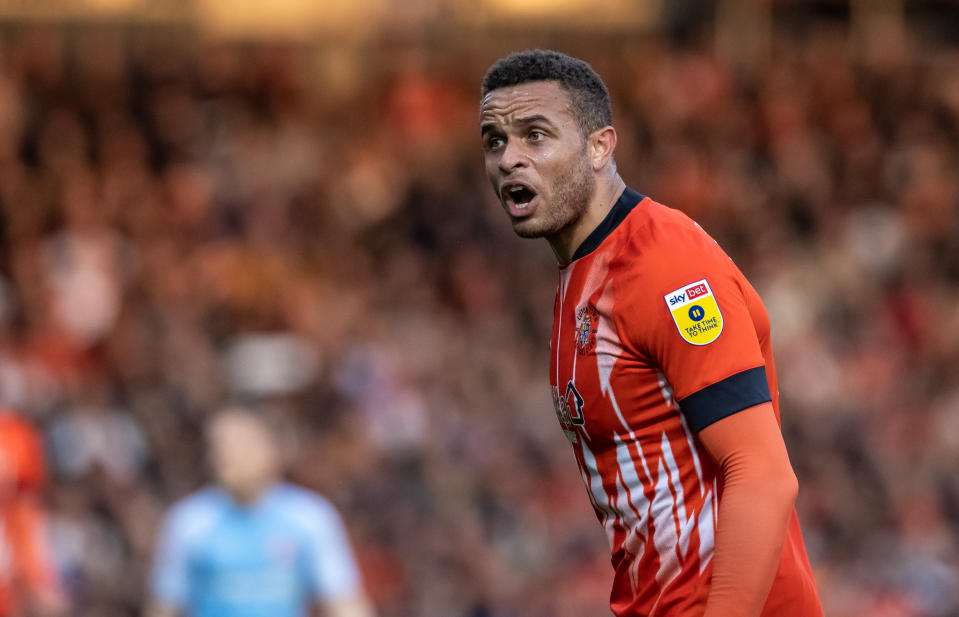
307, 230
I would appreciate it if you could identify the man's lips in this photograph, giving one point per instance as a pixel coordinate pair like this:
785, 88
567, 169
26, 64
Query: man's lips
519, 199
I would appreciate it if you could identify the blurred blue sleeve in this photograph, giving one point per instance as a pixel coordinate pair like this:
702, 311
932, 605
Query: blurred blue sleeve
169, 580
332, 566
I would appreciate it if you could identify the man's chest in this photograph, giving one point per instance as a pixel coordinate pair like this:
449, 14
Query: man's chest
247, 545
601, 385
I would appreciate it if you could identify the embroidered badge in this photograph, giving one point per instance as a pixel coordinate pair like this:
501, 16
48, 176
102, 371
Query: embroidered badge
587, 320
695, 312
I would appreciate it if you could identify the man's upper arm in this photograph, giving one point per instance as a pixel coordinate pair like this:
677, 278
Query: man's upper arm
333, 572
169, 579
750, 438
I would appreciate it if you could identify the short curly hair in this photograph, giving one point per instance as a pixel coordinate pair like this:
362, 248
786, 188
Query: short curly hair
587, 92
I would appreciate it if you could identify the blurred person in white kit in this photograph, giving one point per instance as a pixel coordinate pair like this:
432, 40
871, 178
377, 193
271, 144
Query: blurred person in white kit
251, 545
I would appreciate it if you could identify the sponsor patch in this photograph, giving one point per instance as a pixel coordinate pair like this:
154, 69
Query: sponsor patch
695, 313
569, 410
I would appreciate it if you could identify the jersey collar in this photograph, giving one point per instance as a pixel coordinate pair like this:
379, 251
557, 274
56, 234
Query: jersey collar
628, 200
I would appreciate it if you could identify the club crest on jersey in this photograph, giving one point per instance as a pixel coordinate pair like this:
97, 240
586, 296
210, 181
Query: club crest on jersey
587, 320
695, 313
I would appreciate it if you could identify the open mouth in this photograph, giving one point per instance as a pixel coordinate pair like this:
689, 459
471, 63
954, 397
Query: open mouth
518, 196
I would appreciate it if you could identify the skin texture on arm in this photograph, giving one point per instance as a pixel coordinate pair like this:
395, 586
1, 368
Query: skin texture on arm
758, 496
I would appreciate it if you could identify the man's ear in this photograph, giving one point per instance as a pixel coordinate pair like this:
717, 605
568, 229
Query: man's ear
601, 144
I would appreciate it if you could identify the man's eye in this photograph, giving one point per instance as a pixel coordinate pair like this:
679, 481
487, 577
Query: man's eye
494, 143
537, 136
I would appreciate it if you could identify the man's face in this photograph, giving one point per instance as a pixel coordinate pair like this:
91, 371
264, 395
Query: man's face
243, 456
536, 157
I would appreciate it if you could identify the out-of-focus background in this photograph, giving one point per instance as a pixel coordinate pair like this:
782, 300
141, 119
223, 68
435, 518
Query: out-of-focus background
283, 203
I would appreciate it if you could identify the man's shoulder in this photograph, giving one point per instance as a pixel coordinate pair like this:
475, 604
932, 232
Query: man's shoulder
206, 497
196, 513
662, 250
655, 226
300, 505
656, 238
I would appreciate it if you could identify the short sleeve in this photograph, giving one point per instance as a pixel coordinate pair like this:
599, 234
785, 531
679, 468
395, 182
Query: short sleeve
697, 326
169, 580
332, 566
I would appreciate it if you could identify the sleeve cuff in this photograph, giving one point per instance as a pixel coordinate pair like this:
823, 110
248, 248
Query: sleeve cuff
724, 398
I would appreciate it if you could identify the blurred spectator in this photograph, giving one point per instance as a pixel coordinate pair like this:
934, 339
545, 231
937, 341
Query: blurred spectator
91, 436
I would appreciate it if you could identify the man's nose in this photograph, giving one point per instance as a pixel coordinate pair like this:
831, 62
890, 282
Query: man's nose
514, 156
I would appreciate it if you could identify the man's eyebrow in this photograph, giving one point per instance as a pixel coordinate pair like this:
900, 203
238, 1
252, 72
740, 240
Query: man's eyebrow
488, 127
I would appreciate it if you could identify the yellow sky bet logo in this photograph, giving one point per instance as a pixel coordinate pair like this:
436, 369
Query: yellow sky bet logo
695, 313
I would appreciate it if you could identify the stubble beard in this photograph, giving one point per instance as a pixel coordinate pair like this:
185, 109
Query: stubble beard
568, 201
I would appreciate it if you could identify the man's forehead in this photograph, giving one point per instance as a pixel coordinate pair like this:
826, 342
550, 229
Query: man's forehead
539, 97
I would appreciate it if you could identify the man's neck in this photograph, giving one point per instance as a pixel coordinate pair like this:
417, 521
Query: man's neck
248, 496
564, 244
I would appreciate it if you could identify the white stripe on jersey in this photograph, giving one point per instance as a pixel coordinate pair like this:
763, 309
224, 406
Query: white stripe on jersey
707, 516
685, 530
631, 488
598, 494
564, 278
664, 534
608, 346
631, 483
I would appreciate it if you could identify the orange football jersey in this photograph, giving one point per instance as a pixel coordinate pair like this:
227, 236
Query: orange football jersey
656, 335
